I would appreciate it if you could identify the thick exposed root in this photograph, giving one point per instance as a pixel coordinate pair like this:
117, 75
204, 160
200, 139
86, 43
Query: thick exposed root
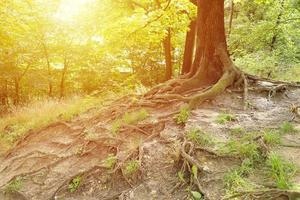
266, 194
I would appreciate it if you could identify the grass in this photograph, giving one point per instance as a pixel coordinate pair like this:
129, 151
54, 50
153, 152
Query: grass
199, 137
74, 184
272, 137
15, 185
182, 117
40, 114
129, 118
238, 130
241, 149
287, 128
223, 118
280, 171
131, 167
110, 161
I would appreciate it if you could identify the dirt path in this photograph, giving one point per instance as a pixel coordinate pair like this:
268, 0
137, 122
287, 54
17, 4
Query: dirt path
47, 160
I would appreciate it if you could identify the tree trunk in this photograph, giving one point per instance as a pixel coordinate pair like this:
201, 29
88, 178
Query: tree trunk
189, 48
168, 55
63, 78
50, 85
207, 67
231, 17
274, 38
17, 92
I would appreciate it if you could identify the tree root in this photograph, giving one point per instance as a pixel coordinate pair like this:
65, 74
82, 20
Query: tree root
266, 194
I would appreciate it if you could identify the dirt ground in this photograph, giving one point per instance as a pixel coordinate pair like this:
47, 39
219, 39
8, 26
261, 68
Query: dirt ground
49, 158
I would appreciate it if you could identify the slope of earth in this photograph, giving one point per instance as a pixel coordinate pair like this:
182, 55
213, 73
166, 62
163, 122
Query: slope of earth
140, 149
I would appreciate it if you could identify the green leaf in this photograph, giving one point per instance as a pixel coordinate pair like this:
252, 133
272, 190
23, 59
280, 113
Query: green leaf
196, 195
195, 171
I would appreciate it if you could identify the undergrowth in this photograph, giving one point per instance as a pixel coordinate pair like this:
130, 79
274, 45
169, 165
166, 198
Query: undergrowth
74, 184
130, 119
40, 114
223, 118
15, 185
199, 137
182, 117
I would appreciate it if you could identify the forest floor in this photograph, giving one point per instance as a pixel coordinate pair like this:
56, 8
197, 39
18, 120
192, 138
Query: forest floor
131, 150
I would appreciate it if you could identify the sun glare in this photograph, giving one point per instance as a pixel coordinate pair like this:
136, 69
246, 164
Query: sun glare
68, 9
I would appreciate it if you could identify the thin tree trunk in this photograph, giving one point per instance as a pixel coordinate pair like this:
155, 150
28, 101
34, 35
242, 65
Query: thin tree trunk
17, 91
63, 78
50, 84
231, 17
168, 55
274, 38
189, 48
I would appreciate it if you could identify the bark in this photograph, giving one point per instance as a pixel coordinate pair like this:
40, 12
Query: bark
168, 55
189, 48
207, 67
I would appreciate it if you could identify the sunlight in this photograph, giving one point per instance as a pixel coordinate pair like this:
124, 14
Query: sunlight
68, 9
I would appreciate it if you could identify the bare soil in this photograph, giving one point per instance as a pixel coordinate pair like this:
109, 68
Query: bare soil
48, 159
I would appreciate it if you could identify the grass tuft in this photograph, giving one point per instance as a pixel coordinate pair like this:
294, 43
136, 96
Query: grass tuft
287, 128
15, 185
199, 137
131, 167
182, 117
223, 118
280, 170
74, 184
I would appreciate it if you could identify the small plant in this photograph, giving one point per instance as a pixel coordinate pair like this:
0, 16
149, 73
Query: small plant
238, 130
199, 137
115, 127
223, 118
135, 117
15, 185
196, 195
128, 118
74, 184
90, 135
110, 161
280, 170
242, 149
287, 128
132, 167
272, 138
183, 115
180, 175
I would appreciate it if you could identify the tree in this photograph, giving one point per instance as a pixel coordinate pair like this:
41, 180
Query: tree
212, 66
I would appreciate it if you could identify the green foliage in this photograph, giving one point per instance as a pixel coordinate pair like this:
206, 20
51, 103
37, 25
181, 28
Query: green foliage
199, 137
182, 117
272, 137
129, 118
243, 149
135, 117
280, 171
39, 114
181, 176
287, 128
196, 195
15, 185
131, 167
110, 161
223, 118
238, 130
74, 184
